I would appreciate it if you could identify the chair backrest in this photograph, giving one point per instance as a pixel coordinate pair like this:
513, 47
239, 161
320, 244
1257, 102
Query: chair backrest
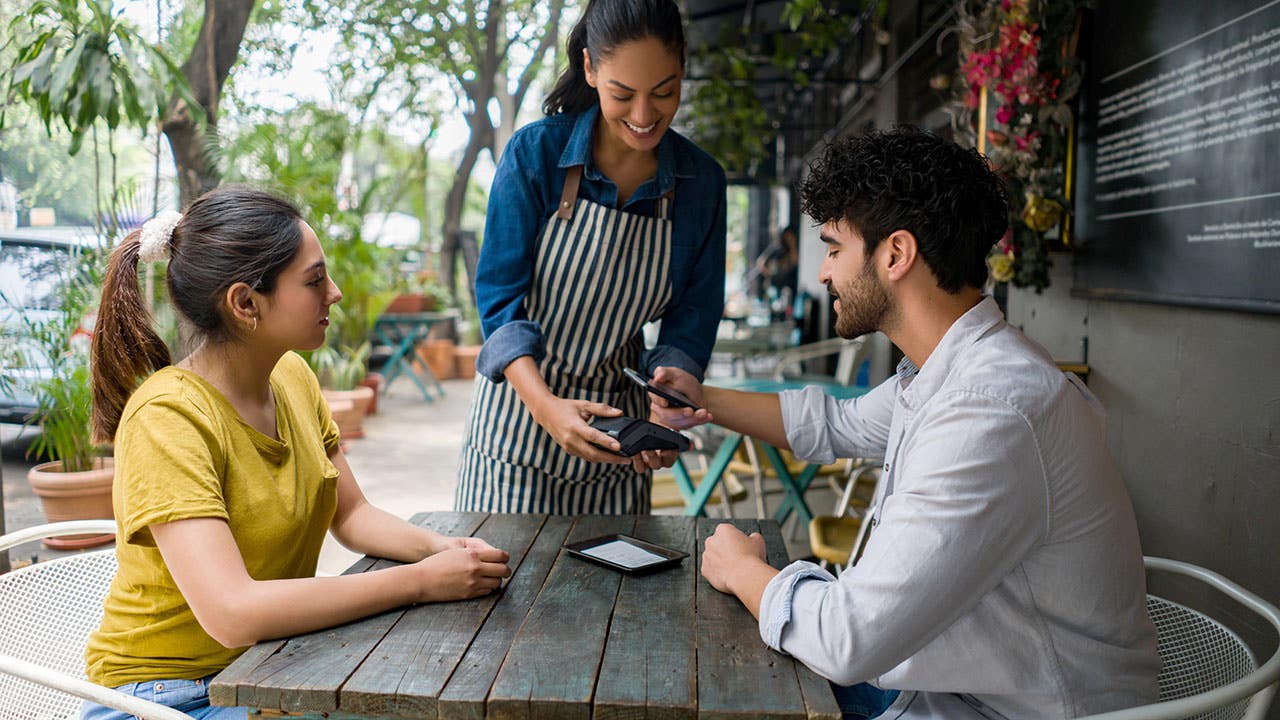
47, 612
1198, 654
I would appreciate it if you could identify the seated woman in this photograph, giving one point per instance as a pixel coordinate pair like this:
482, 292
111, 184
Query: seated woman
228, 471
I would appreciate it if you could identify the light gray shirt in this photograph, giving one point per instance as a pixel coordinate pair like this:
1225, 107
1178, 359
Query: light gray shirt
1002, 576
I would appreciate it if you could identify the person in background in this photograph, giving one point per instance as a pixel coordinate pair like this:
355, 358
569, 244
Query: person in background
227, 467
1002, 575
779, 264
601, 219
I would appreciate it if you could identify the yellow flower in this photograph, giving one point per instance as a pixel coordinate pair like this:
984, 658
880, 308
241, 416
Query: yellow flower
1001, 267
1041, 213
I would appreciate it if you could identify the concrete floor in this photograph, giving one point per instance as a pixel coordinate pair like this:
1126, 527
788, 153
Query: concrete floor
406, 463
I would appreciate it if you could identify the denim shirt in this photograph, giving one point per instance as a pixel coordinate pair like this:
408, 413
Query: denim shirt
526, 192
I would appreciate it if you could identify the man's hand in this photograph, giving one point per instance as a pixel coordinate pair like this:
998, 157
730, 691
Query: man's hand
653, 459
728, 553
667, 414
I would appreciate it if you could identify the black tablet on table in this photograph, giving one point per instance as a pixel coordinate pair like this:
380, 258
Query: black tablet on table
625, 553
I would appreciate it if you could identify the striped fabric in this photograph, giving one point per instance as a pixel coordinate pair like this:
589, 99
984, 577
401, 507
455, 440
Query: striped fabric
597, 279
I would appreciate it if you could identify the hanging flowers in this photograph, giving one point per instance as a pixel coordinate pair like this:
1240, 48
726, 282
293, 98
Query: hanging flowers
1018, 72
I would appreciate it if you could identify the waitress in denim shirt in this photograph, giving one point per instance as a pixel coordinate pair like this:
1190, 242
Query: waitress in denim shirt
601, 219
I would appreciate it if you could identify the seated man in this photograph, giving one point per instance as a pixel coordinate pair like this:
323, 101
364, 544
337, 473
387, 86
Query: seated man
1002, 577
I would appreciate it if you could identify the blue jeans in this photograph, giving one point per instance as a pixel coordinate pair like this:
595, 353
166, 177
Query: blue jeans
188, 696
862, 701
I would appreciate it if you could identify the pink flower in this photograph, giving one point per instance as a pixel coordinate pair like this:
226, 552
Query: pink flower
1004, 114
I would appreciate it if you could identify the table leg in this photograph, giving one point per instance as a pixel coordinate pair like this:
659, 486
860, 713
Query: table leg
399, 362
794, 487
696, 498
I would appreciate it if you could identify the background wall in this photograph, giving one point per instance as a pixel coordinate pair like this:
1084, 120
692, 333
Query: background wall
1193, 401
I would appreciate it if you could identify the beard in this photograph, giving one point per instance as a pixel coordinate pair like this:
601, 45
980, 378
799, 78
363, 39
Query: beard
863, 304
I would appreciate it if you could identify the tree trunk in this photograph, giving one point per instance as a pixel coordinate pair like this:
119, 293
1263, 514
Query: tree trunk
215, 51
480, 138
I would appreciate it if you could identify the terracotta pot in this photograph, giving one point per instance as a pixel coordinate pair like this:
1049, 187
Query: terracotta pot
464, 358
346, 415
408, 303
438, 356
360, 398
373, 381
84, 495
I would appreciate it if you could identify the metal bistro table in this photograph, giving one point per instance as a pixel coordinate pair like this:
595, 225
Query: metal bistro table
564, 639
402, 332
697, 495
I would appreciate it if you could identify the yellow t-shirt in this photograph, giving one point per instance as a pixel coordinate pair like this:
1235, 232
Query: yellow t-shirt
182, 451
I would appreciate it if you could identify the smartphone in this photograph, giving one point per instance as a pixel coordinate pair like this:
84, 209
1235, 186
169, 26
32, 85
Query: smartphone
674, 397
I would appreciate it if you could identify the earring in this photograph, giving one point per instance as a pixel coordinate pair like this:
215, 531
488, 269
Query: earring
254, 329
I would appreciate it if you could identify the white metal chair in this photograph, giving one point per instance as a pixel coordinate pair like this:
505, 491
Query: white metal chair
47, 611
1208, 671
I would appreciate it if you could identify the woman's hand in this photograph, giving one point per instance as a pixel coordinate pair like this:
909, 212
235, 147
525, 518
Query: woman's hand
566, 422
449, 542
459, 573
677, 417
653, 459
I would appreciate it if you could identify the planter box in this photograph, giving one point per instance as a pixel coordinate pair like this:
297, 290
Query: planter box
437, 354
373, 381
464, 357
411, 303
350, 426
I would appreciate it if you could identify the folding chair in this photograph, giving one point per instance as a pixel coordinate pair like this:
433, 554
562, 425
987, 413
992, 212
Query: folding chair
47, 611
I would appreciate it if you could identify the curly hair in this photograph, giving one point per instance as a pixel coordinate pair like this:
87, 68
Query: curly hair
907, 179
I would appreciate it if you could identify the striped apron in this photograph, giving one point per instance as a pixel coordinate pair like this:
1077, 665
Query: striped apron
599, 275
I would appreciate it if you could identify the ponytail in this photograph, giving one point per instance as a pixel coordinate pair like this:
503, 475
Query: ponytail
604, 25
571, 94
125, 347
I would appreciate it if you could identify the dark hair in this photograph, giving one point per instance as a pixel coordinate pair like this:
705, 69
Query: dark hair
229, 235
605, 25
907, 179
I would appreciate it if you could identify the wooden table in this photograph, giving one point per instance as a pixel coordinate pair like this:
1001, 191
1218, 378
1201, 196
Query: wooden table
564, 639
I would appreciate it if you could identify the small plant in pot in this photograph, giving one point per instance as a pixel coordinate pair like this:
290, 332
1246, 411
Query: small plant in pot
75, 484
340, 371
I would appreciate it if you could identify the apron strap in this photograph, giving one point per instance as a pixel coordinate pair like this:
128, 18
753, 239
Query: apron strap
569, 195
670, 198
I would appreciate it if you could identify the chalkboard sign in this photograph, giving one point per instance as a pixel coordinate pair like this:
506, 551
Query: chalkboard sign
1179, 151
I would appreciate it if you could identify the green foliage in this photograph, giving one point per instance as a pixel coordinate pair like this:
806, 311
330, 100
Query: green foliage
64, 399
342, 368
300, 154
79, 61
726, 116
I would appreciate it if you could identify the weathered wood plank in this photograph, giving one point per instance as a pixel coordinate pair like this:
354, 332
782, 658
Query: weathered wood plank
404, 674
738, 675
467, 690
819, 700
649, 669
568, 621
305, 674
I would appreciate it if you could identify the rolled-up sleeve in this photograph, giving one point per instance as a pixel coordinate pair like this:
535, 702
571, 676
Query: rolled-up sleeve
970, 501
689, 324
821, 428
515, 216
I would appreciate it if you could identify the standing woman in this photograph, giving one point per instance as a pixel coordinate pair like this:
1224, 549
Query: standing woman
601, 219
228, 472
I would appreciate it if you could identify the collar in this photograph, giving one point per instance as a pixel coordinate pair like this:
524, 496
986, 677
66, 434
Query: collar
675, 160
919, 384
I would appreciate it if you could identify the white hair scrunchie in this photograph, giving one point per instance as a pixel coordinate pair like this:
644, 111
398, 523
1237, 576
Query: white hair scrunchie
153, 245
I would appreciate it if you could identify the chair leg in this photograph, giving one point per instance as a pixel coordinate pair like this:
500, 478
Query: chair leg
725, 501
758, 480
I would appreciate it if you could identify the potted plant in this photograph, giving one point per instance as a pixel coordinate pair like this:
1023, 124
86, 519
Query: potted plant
340, 372
75, 484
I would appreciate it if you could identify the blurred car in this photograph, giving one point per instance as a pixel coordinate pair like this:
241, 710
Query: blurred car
33, 265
